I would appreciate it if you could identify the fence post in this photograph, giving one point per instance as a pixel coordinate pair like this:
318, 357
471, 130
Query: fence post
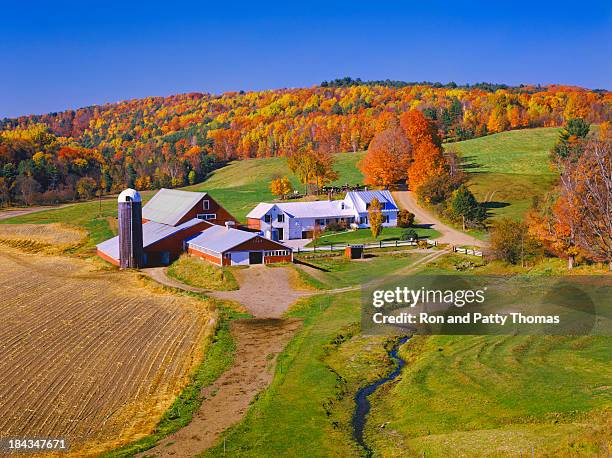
380, 244
396, 244
331, 247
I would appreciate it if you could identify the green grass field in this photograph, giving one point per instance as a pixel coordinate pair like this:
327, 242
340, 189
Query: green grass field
197, 272
510, 168
473, 395
388, 234
457, 396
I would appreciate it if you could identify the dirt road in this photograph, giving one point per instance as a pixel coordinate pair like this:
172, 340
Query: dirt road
13, 212
226, 401
407, 200
266, 292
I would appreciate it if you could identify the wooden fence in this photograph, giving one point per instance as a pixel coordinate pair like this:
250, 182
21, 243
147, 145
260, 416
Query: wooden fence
381, 244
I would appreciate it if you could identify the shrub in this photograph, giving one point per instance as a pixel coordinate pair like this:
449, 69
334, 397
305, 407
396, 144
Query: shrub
409, 235
510, 241
405, 218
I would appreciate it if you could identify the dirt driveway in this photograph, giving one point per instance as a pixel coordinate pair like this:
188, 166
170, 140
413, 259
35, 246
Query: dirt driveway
226, 401
266, 292
407, 200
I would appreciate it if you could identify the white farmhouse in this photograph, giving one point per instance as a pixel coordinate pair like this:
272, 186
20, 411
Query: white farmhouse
297, 220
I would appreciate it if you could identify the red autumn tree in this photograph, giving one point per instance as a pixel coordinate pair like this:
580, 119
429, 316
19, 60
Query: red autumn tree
427, 157
387, 159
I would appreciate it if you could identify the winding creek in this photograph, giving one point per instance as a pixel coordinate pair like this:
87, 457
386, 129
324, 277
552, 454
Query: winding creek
362, 402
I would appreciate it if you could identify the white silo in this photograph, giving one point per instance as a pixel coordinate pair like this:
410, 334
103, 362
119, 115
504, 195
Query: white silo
131, 254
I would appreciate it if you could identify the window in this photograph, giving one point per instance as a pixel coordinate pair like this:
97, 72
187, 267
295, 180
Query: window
267, 218
207, 216
385, 218
280, 218
206, 204
363, 220
277, 253
320, 222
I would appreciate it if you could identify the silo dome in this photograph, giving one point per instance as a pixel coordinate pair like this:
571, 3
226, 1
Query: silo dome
129, 195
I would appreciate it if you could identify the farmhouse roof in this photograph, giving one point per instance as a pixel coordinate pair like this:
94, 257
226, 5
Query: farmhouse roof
152, 232
220, 238
168, 206
313, 209
360, 199
261, 209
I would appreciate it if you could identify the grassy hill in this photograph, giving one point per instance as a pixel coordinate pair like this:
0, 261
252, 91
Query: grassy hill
508, 169
243, 184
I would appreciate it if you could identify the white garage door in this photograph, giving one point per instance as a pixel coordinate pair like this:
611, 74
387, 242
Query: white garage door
240, 258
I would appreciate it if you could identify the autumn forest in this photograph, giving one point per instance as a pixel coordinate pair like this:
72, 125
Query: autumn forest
177, 140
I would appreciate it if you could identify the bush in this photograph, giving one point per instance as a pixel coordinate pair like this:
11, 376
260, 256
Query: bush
409, 235
405, 218
510, 241
336, 226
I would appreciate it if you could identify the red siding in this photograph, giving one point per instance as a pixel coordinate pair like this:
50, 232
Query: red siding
222, 214
174, 242
107, 257
206, 256
274, 259
260, 244
254, 223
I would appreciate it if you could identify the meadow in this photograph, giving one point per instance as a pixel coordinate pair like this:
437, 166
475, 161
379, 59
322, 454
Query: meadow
457, 396
507, 170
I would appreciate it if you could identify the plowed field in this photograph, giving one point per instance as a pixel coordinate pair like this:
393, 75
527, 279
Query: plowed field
92, 357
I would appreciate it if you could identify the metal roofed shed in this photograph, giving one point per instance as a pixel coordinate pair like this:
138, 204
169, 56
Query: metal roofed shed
219, 239
169, 206
225, 246
157, 238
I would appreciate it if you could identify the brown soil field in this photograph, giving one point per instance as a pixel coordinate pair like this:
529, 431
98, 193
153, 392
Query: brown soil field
91, 356
47, 238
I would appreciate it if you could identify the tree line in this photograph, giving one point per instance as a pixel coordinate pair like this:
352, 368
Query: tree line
177, 140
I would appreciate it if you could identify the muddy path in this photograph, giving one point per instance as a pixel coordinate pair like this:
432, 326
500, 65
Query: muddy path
226, 401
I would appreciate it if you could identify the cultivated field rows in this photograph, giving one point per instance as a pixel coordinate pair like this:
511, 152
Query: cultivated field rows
90, 356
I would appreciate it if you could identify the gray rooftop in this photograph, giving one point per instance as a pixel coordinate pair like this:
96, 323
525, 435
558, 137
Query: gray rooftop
152, 232
168, 206
220, 239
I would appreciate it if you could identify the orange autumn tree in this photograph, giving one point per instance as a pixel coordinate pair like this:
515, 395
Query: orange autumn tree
427, 158
388, 158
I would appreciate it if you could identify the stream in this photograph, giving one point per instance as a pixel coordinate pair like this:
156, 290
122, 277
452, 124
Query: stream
361, 397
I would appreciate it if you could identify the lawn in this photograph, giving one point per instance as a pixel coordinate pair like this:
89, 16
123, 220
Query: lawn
362, 236
339, 271
194, 271
508, 169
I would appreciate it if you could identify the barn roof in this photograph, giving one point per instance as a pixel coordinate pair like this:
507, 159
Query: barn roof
220, 238
152, 232
168, 206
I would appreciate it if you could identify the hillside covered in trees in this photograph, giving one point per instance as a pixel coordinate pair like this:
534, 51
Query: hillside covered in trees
177, 140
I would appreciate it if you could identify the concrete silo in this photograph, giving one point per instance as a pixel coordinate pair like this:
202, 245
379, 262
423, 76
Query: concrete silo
131, 254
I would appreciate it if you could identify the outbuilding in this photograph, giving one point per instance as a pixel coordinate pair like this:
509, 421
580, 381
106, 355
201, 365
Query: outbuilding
226, 246
161, 243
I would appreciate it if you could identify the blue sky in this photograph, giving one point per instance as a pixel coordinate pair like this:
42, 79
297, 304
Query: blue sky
60, 55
